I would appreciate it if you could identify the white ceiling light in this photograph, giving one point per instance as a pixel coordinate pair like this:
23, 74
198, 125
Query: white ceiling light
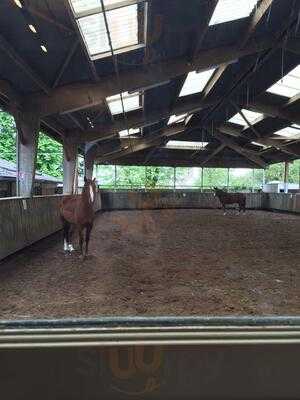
185, 145
125, 133
196, 82
252, 117
290, 132
289, 85
44, 48
32, 28
230, 10
18, 3
131, 102
174, 119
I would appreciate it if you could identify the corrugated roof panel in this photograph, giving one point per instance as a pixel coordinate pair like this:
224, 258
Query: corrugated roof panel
196, 82
290, 132
289, 85
131, 102
251, 116
229, 10
80, 6
123, 27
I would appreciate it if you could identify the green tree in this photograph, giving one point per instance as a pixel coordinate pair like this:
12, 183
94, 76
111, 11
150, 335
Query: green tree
7, 137
49, 154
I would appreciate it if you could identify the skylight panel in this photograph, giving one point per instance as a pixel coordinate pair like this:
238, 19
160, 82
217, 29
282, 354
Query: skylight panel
185, 145
131, 102
84, 6
175, 119
196, 82
125, 133
125, 22
289, 85
251, 116
290, 132
230, 10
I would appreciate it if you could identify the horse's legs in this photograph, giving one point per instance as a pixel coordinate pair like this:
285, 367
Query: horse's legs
71, 232
224, 208
66, 228
87, 237
80, 233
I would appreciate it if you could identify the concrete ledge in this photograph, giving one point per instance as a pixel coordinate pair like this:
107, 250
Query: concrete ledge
139, 200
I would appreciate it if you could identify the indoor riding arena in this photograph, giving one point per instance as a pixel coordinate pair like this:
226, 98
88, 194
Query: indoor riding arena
162, 112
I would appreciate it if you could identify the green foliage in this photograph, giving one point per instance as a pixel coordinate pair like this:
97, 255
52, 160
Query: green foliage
7, 137
214, 177
49, 155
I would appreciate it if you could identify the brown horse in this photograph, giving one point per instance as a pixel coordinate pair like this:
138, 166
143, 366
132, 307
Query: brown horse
77, 212
231, 198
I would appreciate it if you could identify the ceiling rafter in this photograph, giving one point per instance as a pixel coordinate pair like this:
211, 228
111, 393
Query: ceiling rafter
78, 96
252, 156
65, 63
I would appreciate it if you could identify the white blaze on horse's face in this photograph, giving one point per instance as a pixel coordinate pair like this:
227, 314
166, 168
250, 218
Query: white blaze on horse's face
91, 193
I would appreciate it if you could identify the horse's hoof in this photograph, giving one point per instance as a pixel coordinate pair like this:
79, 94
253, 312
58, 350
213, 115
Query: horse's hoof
71, 248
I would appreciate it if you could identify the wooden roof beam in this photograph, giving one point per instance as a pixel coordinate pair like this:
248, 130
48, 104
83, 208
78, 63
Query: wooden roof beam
213, 154
229, 129
78, 96
137, 119
256, 159
142, 144
255, 19
273, 111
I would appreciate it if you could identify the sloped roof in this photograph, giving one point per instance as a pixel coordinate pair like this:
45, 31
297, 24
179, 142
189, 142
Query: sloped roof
8, 171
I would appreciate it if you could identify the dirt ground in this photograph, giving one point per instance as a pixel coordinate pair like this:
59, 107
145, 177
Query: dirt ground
161, 262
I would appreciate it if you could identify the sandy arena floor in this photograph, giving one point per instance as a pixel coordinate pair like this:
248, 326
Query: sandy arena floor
161, 262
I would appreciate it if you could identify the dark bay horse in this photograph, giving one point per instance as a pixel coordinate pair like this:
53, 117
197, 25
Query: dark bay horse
231, 198
77, 212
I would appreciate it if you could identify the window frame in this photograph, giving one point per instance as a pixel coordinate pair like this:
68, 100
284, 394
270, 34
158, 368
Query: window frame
142, 33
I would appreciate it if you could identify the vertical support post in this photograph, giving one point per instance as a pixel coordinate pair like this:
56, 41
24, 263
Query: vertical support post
89, 160
28, 125
264, 178
286, 177
253, 179
145, 178
299, 174
18, 167
69, 167
88, 170
227, 179
174, 179
202, 172
115, 182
